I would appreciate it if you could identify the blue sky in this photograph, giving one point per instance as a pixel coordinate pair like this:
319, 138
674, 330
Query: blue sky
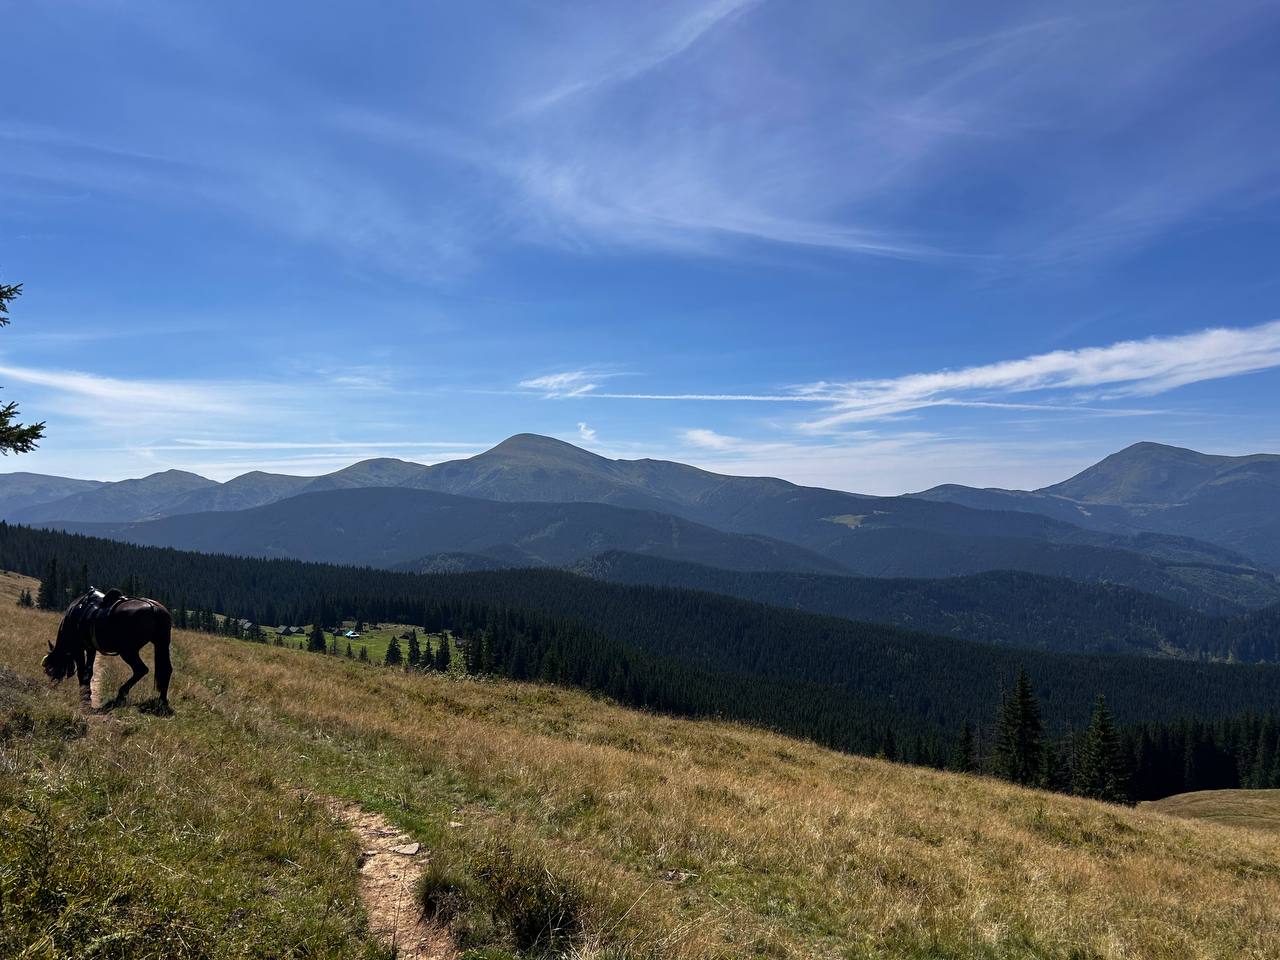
874, 247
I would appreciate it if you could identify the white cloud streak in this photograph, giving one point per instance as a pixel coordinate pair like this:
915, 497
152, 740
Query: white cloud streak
632, 64
120, 401
569, 383
707, 127
1085, 380
1133, 368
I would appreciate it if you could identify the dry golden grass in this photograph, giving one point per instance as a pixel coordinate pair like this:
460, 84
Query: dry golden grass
1256, 809
705, 840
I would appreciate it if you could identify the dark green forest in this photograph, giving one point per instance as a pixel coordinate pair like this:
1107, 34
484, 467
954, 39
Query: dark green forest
861, 687
1007, 607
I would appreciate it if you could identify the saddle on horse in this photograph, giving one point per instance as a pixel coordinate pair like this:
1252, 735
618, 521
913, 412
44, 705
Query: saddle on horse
101, 604
94, 607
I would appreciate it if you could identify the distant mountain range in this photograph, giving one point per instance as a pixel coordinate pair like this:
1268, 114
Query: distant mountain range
19, 491
1233, 502
1197, 530
395, 527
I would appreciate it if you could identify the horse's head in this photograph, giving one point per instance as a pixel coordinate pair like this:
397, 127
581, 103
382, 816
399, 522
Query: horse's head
57, 664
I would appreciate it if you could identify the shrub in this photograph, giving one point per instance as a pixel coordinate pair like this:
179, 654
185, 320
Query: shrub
507, 896
540, 908
443, 890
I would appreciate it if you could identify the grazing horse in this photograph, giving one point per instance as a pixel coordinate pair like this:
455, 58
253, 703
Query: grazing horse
113, 625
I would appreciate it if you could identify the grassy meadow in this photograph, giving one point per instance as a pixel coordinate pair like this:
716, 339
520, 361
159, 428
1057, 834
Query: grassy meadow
1254, 809
556, 824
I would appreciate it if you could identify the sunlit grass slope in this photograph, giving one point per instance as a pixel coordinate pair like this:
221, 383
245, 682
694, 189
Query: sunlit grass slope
1256, 809
654, 837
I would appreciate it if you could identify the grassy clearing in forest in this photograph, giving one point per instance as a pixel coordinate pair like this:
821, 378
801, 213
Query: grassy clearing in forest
1255, 809
624, 834
374, 638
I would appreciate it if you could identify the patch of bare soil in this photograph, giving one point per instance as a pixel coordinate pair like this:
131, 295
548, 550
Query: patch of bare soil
390, 865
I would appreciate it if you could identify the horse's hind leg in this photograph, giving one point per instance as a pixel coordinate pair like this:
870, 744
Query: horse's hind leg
164, 667
139, 671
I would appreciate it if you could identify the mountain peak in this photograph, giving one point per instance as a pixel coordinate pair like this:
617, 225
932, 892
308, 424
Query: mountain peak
1146, 473
1149, 448
534, 446
171, 475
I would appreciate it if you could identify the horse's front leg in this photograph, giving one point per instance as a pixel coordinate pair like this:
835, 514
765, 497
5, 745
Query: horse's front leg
84, 672
139, 671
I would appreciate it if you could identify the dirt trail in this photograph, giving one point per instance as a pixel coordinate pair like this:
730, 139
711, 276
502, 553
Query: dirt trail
390, 865
95, 690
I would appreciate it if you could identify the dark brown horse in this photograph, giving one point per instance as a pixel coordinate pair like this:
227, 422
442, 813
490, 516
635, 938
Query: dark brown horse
120, 627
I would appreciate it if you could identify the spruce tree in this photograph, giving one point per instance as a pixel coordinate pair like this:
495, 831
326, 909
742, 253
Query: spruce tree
315, 639
1019, 744
471, 654
393, 657
966, 759
1264, 758
81, 585
14, 437
444, 655
415, 652
364, 654
49, 594
1100, 770
25, 600
349, 654
889, 746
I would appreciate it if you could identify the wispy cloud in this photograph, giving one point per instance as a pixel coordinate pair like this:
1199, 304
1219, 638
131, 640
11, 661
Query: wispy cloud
1134, 368
586, 434
197, 444
119, 401
1086, 380
568, 383
707, 127
631, 63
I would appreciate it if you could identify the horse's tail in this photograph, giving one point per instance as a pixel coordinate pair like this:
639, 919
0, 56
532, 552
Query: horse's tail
160, 643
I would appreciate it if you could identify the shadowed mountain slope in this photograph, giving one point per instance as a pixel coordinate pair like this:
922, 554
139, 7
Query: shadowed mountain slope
390, 527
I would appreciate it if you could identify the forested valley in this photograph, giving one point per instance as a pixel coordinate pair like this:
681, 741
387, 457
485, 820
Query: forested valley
1108, 726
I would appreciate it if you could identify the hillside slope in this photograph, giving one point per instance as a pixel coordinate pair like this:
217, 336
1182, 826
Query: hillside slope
649, 837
